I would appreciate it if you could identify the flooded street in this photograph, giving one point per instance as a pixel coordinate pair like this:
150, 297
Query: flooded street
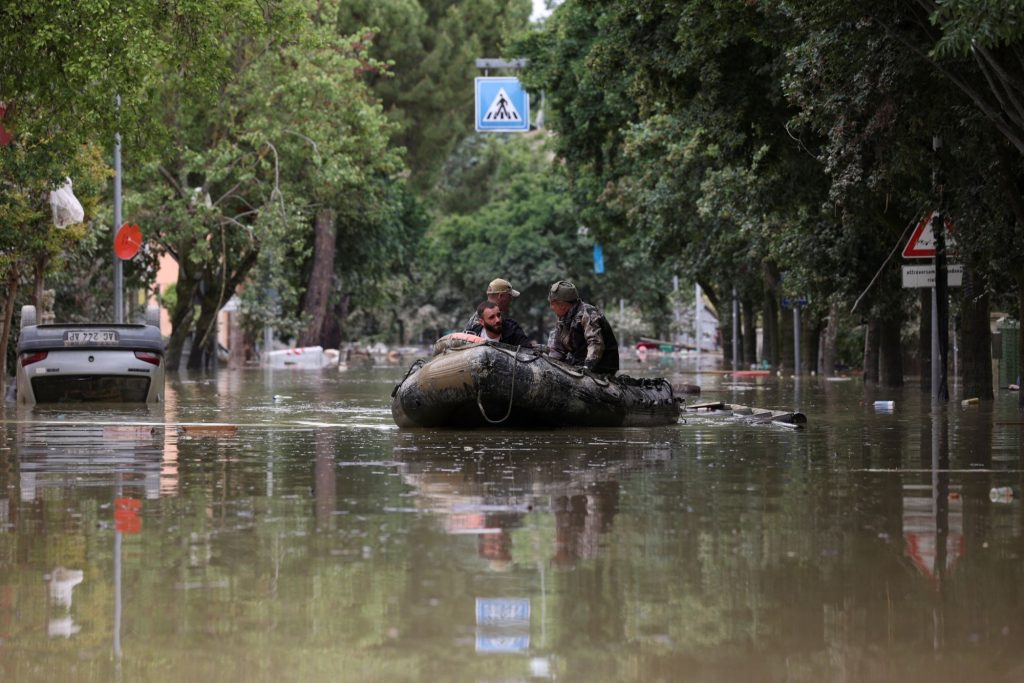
278, 526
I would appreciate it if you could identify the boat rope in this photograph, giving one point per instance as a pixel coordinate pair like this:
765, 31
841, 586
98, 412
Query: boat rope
511, 394
412, 368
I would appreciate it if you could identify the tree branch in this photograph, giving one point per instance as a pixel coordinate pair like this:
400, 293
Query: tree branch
1006, 81
169, 177
997, 120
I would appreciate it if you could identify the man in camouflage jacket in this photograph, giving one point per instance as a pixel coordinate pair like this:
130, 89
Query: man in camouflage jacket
583, 336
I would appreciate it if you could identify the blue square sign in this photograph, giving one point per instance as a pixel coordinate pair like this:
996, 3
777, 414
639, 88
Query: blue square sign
502, 105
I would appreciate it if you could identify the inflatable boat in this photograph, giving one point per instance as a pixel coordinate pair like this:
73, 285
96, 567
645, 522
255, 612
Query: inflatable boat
488, 384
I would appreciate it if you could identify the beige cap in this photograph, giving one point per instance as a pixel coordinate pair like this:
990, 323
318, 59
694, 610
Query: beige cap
500, 286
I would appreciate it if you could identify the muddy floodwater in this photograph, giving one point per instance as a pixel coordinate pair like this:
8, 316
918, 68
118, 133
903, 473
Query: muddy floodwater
277, 526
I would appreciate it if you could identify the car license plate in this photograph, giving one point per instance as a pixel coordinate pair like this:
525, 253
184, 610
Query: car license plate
76, 337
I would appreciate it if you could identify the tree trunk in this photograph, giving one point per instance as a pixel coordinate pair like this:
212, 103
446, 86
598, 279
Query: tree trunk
749, 333
787, 348
318, 292
333, 334
975, 339
204, 344
829, 337
1020, 337
5, 329
725, 326
770, 314
181, 322
812, 351
871, 348
38, 282
890, 354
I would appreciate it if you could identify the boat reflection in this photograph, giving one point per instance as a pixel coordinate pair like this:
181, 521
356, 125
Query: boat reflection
491, 496
531, 513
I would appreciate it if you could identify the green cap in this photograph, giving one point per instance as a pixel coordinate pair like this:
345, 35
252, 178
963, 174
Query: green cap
563, 290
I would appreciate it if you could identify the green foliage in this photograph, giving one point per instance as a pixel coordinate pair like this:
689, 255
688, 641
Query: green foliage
522, 229
431, 46
967, 24
66, 61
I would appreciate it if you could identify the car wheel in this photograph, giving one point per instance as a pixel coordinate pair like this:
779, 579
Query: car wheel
28, 316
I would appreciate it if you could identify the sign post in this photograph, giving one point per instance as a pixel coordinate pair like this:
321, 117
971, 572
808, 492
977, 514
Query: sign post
929, 241
941, 391
118, 269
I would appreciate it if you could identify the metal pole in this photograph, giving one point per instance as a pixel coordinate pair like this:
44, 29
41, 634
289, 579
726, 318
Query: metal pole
118, 265
942, 299
935, 346
697, 320
735, 331
675, 308
796, 339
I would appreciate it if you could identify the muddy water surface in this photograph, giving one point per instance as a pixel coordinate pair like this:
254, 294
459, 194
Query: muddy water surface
269, 527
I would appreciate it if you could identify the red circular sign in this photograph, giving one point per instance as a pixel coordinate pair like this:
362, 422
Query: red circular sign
127, 241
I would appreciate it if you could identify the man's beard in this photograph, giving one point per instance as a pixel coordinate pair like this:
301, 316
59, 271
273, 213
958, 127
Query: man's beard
493, 330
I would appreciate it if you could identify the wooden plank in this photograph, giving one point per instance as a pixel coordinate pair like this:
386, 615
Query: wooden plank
709, 405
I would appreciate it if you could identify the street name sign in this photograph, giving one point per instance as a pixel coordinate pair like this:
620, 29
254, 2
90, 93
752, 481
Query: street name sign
924, 276
502, 105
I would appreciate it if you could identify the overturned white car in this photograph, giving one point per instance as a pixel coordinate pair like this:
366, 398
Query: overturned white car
90, 362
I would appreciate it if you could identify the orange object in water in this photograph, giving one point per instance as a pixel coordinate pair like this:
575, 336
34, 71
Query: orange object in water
126, 515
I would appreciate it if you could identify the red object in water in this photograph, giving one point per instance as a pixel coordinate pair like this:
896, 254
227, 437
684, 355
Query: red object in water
127, 241
126, 515
752, 373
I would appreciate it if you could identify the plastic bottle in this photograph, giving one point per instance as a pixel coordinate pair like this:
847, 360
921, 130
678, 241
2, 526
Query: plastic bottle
885, 405
1001, 494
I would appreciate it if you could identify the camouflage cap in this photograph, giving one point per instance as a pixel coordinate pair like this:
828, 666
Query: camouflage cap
500, 286
563, 290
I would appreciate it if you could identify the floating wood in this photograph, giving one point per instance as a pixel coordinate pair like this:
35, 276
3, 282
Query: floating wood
209, 430
709, 405
783, 418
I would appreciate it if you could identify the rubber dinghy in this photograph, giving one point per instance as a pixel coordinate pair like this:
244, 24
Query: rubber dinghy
486, 384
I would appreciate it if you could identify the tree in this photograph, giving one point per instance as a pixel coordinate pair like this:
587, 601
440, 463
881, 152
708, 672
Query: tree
64, 62
294, 147
431, 46
36, 247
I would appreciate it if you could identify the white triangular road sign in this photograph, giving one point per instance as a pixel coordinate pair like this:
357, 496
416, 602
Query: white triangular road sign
922, 242
502, 109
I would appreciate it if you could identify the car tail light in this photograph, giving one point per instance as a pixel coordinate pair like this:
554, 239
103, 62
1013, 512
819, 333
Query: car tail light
30, 358
147, 357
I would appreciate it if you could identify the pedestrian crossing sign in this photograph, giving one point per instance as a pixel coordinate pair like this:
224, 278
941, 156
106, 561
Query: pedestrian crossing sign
502, 105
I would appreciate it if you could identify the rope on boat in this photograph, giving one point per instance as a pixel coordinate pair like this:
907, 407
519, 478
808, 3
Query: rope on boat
511, 395
412, 368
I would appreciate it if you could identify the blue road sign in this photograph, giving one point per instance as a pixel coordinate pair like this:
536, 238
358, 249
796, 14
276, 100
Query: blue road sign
502, 106
502, 611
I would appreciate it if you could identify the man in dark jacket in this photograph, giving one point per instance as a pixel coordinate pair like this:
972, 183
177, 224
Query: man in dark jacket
583, 337
500, 293
492, 327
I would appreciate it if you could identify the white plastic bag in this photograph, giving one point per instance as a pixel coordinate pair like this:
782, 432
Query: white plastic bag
67, 210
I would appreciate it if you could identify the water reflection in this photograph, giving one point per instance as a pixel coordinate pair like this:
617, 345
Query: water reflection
312, 540
62, 582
